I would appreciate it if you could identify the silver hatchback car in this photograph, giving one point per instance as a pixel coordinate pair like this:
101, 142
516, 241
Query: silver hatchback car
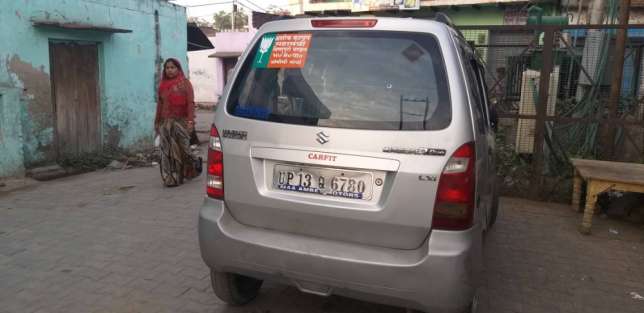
352, 156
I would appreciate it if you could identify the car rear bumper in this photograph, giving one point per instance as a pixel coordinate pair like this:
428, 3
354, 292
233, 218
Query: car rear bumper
440, 276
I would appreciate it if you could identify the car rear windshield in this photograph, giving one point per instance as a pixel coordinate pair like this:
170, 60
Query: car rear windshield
346, 79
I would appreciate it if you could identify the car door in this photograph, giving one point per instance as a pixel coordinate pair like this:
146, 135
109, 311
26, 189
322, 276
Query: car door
482, 128
344, 146
490, 135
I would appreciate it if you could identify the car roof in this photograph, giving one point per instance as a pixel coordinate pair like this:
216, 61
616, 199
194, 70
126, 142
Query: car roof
383, 24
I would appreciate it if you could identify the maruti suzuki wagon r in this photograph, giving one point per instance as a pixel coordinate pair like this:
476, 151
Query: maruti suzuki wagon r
352, 156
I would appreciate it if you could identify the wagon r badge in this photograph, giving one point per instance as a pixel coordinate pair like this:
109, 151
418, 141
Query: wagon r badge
322, 138
235, 134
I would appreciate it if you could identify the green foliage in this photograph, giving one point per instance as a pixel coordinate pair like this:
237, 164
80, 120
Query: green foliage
86, 162
512, 170
223, 20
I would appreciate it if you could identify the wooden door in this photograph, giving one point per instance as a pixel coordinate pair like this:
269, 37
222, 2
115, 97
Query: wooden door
74, 80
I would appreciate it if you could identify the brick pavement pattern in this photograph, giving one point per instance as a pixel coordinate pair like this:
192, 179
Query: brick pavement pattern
117, 241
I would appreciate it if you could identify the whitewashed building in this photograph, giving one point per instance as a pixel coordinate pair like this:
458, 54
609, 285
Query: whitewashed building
202, 73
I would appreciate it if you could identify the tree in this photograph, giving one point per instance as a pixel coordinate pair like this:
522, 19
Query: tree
241, 20
199, 22
223, 20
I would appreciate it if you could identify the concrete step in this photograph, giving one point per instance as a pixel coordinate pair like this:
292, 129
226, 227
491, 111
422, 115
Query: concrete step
48, 172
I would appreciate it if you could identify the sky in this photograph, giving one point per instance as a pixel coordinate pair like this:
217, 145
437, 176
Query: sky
205, 10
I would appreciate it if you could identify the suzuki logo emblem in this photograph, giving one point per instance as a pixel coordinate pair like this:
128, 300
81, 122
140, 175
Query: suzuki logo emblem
322, 138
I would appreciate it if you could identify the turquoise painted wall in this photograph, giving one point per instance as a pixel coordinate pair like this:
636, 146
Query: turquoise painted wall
126, 66
486, 15
11, 156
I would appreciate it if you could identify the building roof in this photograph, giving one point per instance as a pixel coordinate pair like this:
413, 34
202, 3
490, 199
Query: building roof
208, 31
260, 18
197, 40
310, 6
430, 3
77, 26
225, 55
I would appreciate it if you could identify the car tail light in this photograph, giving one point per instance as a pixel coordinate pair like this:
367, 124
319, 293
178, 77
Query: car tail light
345, 23
215, 179
454, 208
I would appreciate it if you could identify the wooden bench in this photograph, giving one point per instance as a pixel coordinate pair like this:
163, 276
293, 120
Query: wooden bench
602, 176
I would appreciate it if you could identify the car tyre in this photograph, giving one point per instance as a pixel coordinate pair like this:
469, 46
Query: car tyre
234, 289
474, 306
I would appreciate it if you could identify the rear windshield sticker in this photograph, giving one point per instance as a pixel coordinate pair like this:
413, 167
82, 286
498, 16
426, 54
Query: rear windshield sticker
282, 51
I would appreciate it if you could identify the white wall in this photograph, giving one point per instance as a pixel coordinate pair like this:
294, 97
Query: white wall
203, 75
219, 74
229, 42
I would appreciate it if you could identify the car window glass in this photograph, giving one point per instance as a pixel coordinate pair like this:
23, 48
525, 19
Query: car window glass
352, 79
474, 87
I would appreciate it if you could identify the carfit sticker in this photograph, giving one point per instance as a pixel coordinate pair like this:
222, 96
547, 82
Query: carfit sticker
282, 50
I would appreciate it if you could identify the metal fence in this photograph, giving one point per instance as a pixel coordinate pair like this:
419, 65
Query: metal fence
551, 87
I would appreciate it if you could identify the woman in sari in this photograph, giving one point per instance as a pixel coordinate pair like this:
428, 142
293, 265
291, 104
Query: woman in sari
174, 121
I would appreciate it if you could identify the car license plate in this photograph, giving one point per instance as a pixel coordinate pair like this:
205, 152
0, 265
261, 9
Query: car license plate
323, 181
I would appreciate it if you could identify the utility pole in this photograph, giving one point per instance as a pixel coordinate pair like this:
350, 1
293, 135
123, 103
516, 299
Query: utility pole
607, 149
590, 55
542, 110
233, 15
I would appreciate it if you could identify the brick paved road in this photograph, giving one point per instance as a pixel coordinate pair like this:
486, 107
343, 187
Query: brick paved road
118, 242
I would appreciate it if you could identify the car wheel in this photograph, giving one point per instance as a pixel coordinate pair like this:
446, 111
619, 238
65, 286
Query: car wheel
474, 307
234, 289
